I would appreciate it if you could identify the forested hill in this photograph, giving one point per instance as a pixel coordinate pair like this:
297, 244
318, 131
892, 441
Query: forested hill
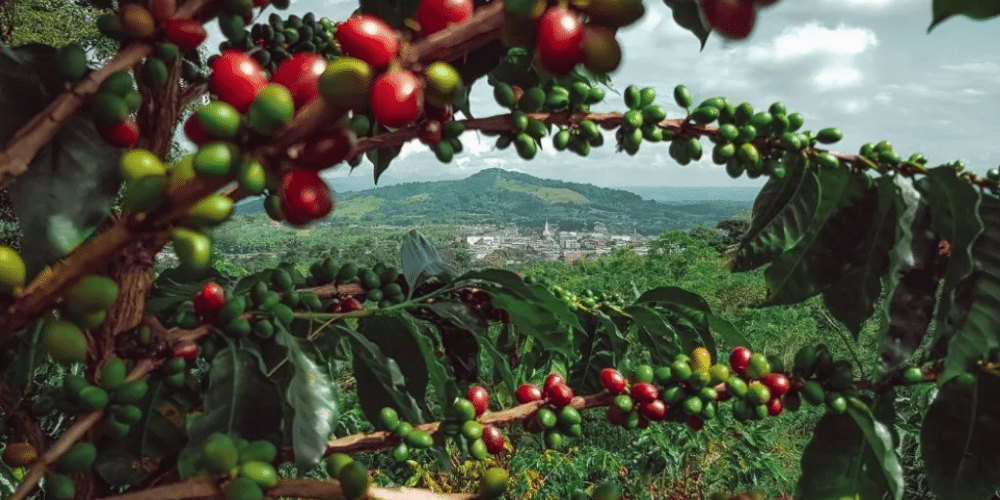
497, 196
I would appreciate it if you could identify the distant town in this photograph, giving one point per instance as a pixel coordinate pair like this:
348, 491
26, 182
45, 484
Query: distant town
548, 244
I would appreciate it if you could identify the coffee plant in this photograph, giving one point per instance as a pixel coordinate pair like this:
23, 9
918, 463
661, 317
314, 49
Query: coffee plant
195, 384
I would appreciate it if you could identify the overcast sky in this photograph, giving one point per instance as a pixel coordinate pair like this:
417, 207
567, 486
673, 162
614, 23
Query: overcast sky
866, 66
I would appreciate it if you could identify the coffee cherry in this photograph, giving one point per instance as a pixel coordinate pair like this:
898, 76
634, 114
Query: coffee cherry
368, 38
493, 439
397, 98
213, 298
560, 38
188, 351
430, 132
695, 424
436, 15
443, 84
237, 78
739, 359
775, 406
644, 392
559, 395
327, 149
730, 18
601, 51
551, 380
137, 21
480, 399
19, 455
613, 380
346, 83
757, 366
300, 75
495, 481
305, 196
186, 34
778, 383
654, 410
528, 393
121, 135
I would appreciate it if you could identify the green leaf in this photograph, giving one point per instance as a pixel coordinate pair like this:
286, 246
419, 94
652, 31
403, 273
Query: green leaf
535, 321
973, 9
537, 294
728, 332
396, 339
954, 208
688, 314
911, 282
381, 158
240, 400
851, 298
839, 462
71, 184
979, 332
780, 218
879, 440
655, 333
442, 380
687, 16
812, 264
393, 12
599, 346
463, 317
420, 260
959, 440
311, 396
380, 381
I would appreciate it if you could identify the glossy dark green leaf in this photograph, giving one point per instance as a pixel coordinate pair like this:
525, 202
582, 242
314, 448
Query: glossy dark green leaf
852, 297
979, 332
420, 260
959, 440
600, 346
441, 380
973, 9
687, 312
814, 262
686, 15
380, 381
538, 295
728, 332
879, 441
912, 280
381, 158
240, 400
464, 317
536, 321
316, 407
396, 339
655, 333
954, 208
839, 462
782, 212
71, 184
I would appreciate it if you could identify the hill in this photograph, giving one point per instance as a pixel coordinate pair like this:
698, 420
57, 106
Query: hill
497, 196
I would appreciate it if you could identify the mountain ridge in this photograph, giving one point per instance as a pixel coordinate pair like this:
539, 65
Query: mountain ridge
498, 196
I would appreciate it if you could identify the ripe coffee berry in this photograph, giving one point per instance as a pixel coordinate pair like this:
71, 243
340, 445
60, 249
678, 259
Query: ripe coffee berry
612, 380
528, 393
480, 399
559, 395
739, 359
644, 392
551, 380
493, 439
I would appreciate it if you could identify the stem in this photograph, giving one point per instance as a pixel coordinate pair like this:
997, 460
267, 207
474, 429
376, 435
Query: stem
847, 342
288, 488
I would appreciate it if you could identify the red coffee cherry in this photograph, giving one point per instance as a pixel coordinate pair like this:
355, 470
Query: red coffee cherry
613, 380
528, 393
480, 399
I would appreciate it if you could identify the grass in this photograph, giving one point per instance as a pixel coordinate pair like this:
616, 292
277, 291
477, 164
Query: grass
548, 195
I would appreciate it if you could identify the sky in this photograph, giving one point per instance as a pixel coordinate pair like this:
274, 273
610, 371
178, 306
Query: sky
868, 67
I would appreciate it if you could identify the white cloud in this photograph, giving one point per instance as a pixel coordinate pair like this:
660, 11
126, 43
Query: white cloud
837, 77
869, 4
796, 42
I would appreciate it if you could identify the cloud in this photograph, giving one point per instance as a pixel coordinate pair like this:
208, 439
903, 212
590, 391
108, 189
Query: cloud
814, 40
837, 77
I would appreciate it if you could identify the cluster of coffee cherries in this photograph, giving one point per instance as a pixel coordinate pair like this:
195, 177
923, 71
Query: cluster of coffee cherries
562, 39
587, 298
527, 131
557, 419
247, 465
273, 42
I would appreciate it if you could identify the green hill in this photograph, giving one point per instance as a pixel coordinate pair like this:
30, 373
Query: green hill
497, 196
